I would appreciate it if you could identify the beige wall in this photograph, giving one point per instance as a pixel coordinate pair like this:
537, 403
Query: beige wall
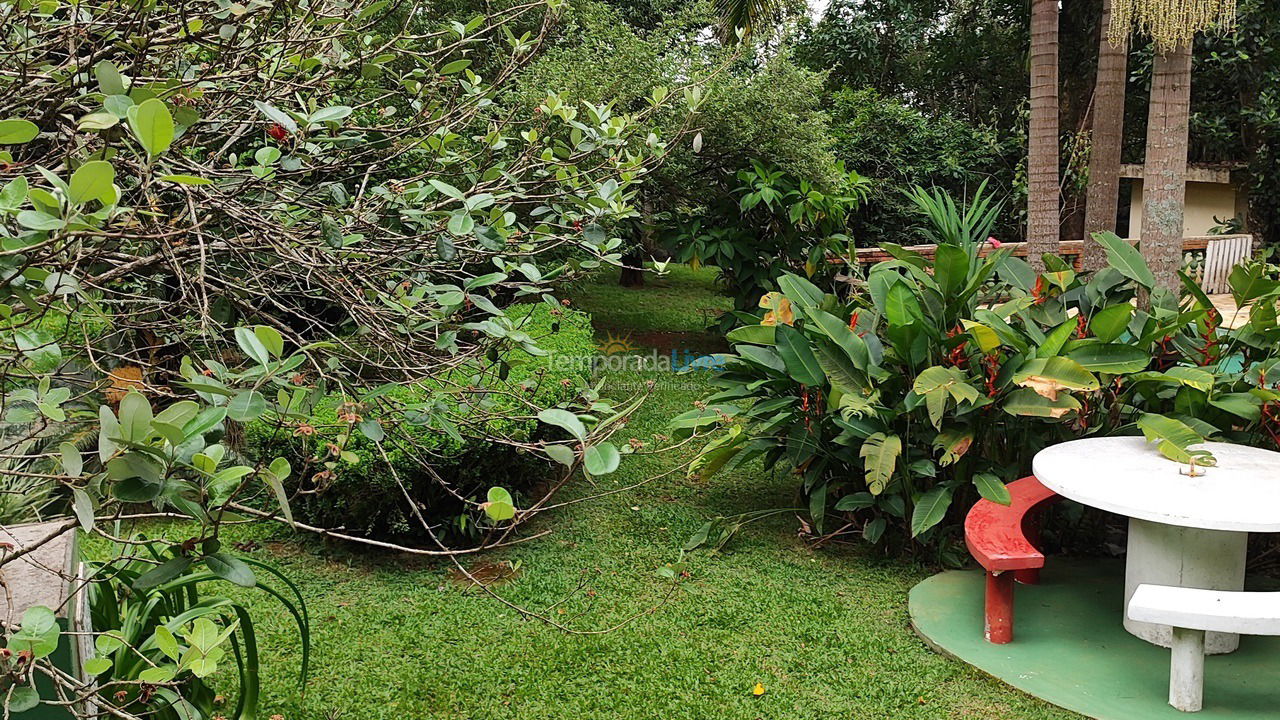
1204, 201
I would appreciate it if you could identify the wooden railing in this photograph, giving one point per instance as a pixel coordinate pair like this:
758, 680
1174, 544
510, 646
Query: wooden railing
1071, 250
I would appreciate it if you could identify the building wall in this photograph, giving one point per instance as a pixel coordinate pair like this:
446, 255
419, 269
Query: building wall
1204, 202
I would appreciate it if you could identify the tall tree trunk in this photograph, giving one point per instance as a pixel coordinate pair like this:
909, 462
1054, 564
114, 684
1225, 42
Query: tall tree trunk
1103, 196
632, 274
1165, 176
1043, 213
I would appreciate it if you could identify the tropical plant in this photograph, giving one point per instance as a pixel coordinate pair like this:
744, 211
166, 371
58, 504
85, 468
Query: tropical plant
939, 379
160, 635
738, 20
773, 222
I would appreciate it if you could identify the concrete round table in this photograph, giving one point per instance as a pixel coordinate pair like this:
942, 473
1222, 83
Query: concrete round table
1183, 531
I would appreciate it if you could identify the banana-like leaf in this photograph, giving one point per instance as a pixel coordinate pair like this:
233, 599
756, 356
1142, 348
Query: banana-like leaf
880, 456
930, 509
1174, 439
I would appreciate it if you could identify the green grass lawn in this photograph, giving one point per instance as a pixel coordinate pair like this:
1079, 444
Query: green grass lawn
680, 300
825, 632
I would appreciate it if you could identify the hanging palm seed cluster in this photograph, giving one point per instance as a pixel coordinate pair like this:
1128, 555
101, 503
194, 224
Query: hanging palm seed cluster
1170, 23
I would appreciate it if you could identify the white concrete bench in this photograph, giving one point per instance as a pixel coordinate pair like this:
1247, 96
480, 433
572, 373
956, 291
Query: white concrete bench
1191, 612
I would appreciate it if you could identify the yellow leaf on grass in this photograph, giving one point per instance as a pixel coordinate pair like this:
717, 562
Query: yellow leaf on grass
758, 690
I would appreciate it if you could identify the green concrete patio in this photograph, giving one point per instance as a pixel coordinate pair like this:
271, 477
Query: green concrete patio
1070, 648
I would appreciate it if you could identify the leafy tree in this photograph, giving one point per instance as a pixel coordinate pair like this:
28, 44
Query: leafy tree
222, 215
899, 147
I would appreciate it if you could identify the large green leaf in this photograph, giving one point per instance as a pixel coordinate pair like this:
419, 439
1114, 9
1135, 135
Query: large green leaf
930, 509
992, 488
762, 356
93, 181
1056, 339
800, 291
231, 568
985, 337
1028, 403
246, 405
1197, 378
1049, 376
564, 419
1108, 323
842, 373
1174, 439
752, 334
879, 455
1111, 358
16, 131
802, 365
1249, 282
937, 384
601, 459
902, 307
854, 347
1243, 405
951, 268
110, 82
152, 125
1125, 258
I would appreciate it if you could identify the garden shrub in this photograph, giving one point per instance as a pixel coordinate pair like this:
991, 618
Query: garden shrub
901, 147
940, 378
772, 223
445, 474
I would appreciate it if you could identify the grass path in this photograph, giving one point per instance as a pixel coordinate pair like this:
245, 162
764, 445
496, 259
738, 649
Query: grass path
824, 632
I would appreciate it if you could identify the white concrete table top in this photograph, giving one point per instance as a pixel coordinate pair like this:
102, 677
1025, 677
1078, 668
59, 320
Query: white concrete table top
1128, 476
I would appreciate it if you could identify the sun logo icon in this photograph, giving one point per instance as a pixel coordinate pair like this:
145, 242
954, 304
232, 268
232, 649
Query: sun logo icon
615, 345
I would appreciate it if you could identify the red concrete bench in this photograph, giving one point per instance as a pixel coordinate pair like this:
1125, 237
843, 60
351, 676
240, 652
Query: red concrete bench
1003, 539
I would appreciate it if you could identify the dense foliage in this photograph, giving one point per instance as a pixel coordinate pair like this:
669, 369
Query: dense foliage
772, 223
231, 216
447, 476
942, 377
900, 147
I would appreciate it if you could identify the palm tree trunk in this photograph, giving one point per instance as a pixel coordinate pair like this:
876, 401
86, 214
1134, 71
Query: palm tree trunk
1043, 212
1102, 197
1165, 176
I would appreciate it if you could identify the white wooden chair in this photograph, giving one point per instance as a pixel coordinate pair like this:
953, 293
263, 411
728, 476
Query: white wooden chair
1191, 612
1221, 256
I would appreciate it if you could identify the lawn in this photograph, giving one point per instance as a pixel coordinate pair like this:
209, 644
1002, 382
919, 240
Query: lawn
824, 632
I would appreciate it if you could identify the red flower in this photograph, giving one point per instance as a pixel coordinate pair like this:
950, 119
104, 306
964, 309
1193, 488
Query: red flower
993, 242
277, 131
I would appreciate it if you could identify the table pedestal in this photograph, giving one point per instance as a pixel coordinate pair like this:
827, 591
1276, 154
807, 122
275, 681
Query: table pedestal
1183, 557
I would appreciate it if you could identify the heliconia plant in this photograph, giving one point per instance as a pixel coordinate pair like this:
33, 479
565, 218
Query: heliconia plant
937, 380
